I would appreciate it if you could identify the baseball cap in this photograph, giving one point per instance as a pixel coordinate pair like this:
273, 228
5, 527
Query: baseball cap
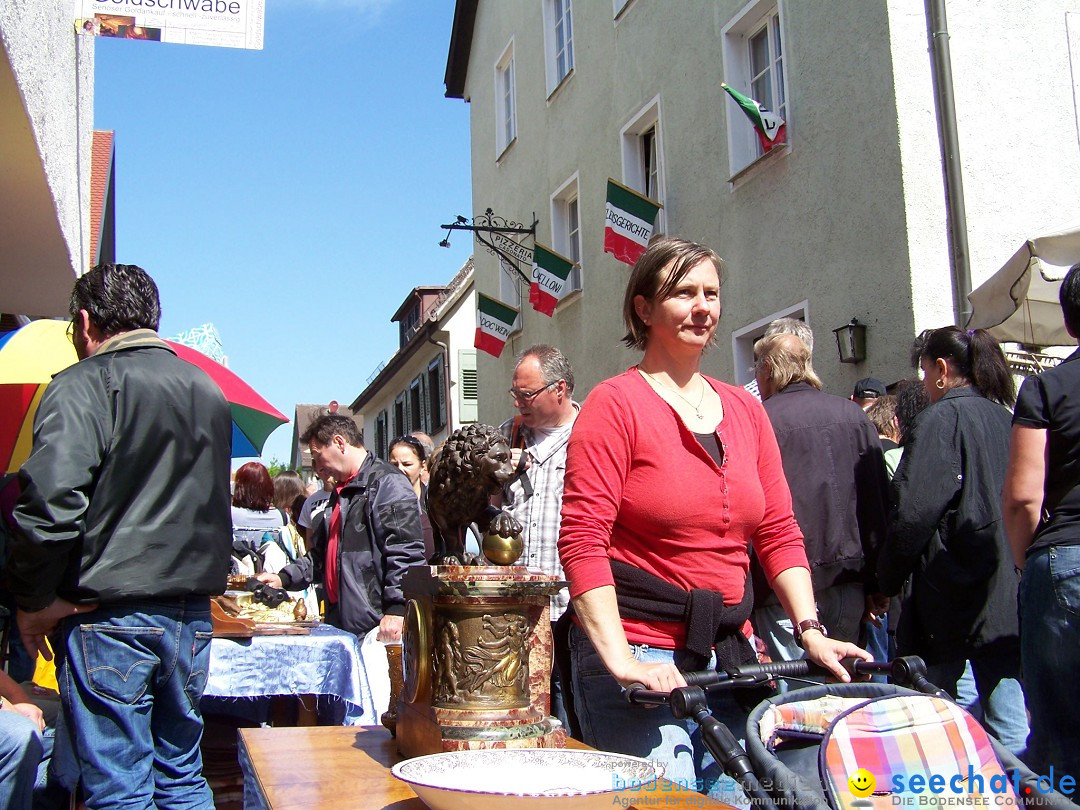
869, 388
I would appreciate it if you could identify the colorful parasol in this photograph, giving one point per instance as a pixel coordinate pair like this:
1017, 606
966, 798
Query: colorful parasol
32, 354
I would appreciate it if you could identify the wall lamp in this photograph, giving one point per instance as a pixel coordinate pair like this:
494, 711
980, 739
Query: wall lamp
851, 341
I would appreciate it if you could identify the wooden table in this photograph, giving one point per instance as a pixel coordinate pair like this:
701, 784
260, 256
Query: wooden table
327, 767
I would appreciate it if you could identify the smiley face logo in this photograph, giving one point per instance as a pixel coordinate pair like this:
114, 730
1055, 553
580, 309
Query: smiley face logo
861, 783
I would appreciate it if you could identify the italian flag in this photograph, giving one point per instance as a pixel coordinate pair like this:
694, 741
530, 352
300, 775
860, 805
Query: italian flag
628, 222
494, 323
770, 127
551, 274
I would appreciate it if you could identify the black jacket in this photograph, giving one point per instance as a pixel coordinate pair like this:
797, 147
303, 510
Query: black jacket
380, 538
126, 492
839, 488
946, 532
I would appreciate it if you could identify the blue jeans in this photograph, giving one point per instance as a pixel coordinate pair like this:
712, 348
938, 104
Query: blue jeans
20, 753
609, 723
840, 608
130, 689
1000, 695
1050, 651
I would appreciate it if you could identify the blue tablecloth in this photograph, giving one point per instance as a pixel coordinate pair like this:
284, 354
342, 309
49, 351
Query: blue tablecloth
326, 662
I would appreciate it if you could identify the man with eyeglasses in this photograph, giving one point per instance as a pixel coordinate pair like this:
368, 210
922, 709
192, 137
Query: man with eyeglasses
542, 389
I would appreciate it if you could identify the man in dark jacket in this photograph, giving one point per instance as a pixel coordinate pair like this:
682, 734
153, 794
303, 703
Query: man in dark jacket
124, 533
364, 540
834, 465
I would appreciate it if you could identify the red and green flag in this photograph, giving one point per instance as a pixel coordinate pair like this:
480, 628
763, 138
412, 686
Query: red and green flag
628, 222
494, 323
551, 279
770, 127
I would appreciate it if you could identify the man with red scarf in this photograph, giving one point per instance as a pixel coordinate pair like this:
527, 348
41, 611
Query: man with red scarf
364, 540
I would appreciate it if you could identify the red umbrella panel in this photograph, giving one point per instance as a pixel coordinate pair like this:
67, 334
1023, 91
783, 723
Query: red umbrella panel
254, 419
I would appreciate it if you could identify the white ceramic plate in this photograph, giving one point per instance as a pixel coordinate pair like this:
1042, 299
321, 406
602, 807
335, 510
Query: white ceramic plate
525, 777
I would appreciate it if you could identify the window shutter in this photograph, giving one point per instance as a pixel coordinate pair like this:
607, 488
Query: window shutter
468, 406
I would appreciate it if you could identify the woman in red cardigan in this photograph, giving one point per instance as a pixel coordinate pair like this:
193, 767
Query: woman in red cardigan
670, 477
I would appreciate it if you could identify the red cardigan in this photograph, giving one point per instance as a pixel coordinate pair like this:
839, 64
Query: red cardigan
640, 488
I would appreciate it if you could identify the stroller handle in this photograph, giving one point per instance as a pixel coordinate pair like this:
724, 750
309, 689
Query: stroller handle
905, 671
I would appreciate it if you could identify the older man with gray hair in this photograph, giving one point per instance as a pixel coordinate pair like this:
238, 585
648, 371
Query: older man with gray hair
542, 389
833, 463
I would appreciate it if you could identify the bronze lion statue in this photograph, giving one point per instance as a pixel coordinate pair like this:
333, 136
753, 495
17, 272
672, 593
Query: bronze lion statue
472, 465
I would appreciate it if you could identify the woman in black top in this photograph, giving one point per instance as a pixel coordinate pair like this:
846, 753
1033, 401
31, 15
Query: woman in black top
1042, 517
946, 531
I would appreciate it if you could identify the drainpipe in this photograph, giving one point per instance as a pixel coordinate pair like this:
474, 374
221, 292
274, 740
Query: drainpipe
937, 31
446, 382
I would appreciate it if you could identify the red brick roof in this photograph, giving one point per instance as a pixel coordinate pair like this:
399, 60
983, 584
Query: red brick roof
100, 179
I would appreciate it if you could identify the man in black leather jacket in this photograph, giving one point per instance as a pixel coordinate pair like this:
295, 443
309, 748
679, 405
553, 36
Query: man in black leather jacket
124, 533
364, 540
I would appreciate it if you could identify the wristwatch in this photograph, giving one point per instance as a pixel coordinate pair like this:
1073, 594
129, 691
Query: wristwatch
809, 624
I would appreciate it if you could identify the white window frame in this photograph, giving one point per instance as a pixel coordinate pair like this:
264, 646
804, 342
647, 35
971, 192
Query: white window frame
631, 136
558, 12
743, 340
565, 233
505, 101
744, 149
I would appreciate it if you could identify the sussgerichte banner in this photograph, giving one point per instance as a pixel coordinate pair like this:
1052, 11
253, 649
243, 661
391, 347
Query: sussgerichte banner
221, 23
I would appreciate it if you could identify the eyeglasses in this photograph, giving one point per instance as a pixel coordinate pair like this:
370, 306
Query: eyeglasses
414, 443
529, 396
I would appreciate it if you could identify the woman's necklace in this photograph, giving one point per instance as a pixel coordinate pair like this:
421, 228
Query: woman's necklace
678, 393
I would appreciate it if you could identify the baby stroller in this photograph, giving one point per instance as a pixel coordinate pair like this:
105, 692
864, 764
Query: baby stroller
858, 745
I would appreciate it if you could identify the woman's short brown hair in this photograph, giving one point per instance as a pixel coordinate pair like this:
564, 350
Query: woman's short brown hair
646, 279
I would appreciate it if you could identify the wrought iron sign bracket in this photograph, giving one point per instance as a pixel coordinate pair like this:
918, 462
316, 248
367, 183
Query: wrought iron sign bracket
494, 233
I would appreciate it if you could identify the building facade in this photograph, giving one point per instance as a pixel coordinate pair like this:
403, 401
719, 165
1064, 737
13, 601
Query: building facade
46, 146
848, 219
429, 385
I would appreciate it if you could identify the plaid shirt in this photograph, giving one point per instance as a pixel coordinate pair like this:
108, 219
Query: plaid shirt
541, 514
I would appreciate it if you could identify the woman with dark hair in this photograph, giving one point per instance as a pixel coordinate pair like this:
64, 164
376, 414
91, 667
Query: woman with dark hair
289, 493
409, 455
946, 530
1042, 517
254, 516
670, 476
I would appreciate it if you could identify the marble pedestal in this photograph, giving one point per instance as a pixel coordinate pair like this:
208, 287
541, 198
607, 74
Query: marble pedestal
476, 660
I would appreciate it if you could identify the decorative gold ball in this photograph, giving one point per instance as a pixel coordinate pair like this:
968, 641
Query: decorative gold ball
502, 550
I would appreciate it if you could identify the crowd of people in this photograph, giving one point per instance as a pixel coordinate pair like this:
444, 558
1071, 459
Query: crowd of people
723, 526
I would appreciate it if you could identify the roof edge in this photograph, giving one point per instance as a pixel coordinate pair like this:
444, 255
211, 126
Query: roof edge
457, 60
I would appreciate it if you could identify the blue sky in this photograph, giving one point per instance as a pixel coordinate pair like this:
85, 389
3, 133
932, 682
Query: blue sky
292, 196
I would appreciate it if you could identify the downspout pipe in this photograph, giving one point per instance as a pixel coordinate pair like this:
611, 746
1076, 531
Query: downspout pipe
937, 31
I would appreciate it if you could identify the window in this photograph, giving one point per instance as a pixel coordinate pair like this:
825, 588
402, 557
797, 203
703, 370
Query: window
400, 411
618, 6
643, 157
417, 411
468, 391
381, 438
409, 324
506, 105
566, 227
436, 390
753, 64
559, 42
743, 340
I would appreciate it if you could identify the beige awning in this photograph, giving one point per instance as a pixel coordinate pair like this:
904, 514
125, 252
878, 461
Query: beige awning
1019, 303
